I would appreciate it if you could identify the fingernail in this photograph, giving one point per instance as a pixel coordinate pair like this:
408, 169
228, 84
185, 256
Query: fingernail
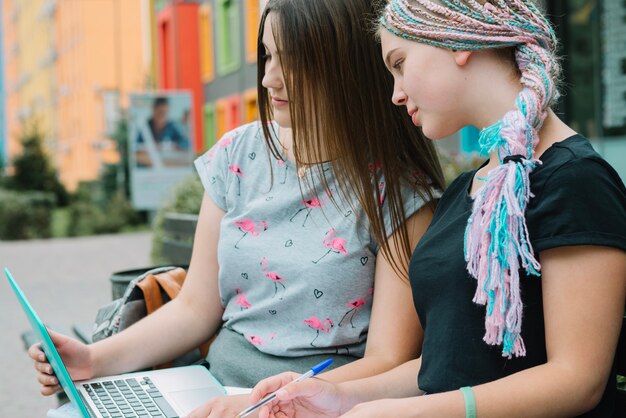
42, 357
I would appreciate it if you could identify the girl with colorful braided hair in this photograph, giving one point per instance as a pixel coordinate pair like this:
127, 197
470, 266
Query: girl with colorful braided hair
520, 280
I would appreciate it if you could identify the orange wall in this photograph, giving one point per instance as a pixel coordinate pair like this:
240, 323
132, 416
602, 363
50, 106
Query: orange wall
179, 61
99, 49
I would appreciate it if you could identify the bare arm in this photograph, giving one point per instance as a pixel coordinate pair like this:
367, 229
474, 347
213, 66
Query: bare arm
584, 289
394, 335
187, 321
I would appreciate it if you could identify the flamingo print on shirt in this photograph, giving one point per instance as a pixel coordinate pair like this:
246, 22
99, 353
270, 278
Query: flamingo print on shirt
227, 142
316, 324
355, 306
236, 170
242, 300
258, 341
273, 276
335, 245
247, 226
309, 205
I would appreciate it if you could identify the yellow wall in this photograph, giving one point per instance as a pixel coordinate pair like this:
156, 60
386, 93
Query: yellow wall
11, 74
30, 75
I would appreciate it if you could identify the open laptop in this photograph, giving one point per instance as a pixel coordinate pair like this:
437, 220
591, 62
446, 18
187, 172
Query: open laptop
160, 393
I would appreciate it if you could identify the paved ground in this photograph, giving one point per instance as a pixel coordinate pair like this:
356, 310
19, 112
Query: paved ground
66, 280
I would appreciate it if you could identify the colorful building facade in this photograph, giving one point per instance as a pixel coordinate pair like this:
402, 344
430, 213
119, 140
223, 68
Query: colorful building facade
217, 62
71, 63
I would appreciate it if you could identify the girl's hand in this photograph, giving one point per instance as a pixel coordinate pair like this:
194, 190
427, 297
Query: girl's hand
75, 355
307, 399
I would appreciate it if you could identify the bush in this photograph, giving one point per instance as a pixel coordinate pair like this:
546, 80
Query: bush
25, 215
90, 213
33, 170
187, 199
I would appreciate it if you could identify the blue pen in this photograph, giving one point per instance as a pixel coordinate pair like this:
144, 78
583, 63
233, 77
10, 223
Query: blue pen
312, 372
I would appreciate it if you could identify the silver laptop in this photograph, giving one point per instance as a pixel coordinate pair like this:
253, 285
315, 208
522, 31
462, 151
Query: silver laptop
161, 393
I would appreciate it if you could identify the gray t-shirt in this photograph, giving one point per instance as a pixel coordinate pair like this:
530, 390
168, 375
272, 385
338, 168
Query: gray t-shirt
296, 273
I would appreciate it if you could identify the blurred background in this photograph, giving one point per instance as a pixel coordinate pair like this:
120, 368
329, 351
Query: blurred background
105, 103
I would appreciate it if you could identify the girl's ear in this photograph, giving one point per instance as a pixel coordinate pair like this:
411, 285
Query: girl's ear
461, 57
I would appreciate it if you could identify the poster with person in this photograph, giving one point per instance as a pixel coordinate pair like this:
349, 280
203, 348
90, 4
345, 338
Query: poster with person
160, 145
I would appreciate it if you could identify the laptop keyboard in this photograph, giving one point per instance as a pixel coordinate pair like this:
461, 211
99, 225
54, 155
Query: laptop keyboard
125, 398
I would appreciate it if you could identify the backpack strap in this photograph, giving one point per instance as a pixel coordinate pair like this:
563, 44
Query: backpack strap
171, 282
151, 293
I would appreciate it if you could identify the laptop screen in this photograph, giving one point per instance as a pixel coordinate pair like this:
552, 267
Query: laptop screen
48, 347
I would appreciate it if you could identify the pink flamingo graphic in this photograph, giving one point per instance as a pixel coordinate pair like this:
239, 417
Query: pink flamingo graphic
225, 143
247, 226
273, 276
236, 170
309, 205
281, 163
355, 306
335, 245
381, 189
315, 323
242, 300
374, 167
256, 340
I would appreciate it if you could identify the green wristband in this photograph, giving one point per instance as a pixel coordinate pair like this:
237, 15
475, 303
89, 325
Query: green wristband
470, 402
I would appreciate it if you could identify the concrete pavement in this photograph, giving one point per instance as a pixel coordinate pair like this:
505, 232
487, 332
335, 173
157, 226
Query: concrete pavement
66, 280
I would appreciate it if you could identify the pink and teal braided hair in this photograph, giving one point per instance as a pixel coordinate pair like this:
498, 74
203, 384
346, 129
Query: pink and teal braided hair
497, 243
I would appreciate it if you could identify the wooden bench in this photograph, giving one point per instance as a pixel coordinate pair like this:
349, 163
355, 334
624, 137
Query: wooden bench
178, 231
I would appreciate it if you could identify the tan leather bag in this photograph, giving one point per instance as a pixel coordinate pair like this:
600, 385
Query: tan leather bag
169, 282
144, 295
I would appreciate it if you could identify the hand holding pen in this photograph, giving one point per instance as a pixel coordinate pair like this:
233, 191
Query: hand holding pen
312, 372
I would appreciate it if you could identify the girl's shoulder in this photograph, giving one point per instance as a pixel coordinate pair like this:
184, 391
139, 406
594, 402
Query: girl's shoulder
245, 141
574, 163
245, 136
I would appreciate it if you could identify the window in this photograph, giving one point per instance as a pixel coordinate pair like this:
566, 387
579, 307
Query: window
228, 36
165, 54
227, 114
207, 52
250, 107
208, 114
234, 112
252, 29
220, 118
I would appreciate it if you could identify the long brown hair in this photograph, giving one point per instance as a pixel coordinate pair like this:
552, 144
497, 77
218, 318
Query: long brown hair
340, 104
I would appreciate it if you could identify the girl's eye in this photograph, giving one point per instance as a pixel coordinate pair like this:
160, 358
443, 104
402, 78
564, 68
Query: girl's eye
266, 56
398, 65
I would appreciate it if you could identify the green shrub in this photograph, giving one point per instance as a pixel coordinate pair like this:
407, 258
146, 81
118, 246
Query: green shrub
33, 168
25, 215
89, 214
187, 198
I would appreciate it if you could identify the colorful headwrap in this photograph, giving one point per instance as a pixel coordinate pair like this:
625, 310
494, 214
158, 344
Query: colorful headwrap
497, 244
